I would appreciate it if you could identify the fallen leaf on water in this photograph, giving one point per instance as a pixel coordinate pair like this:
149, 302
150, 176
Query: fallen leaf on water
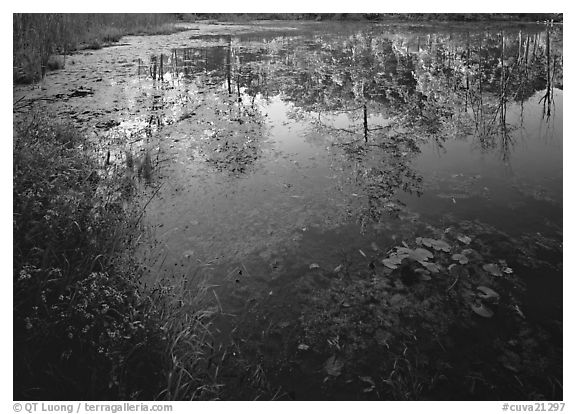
338, 268
369, 381
482, 310
492, 269
487, 293
333, 366
519, 311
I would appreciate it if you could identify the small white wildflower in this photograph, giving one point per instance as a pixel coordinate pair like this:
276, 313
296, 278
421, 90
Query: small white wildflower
24, 275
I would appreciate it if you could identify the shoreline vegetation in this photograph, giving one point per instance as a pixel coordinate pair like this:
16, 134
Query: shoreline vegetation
84, 327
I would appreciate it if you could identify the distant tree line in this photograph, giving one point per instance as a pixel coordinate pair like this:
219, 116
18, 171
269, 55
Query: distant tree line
39, 36
525, 17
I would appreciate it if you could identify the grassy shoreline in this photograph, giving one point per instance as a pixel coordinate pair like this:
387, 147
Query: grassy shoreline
83, 326
38, 38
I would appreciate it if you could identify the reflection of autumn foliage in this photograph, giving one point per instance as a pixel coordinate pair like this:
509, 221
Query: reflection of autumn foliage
398, 88
377, 171
431, 83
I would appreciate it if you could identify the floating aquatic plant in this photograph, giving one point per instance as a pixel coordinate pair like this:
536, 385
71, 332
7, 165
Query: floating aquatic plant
487, 294
482, 310
460, 258
439, 245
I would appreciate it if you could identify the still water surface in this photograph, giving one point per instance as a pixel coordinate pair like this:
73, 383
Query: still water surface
304, 150
271, 134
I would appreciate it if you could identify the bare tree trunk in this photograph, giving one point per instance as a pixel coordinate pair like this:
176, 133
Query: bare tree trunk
365, 123
228, 68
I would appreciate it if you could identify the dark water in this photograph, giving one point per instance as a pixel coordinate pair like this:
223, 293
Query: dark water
310, 147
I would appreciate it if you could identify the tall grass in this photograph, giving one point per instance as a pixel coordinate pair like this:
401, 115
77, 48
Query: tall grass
38, 36
84, 328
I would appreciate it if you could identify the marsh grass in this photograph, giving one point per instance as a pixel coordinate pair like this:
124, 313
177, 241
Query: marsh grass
38, 36
144, 166
84, 326
111, 34
94, 44
187, 318
161, 29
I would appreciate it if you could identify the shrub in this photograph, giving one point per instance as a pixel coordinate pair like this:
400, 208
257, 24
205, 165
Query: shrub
55, 62
94, 44
111, 34
26, 67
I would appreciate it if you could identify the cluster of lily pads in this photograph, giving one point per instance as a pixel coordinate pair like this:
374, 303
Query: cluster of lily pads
437, 257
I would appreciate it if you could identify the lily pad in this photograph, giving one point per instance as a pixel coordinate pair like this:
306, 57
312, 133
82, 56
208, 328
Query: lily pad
392, 262
464, 239
460, 258
420, 254
435, 244
482, 310
472, 254
424, 274
492, 269
431, 267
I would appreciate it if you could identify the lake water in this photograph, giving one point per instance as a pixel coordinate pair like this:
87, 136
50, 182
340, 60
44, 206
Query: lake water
300, 150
